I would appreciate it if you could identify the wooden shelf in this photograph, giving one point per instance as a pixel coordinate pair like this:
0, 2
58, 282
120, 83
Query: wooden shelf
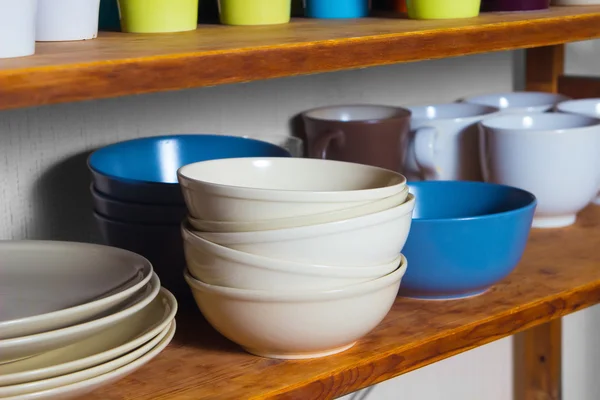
559, 274
118, 64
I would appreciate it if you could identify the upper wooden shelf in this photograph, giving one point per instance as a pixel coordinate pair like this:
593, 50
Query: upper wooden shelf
118, 64
559, 274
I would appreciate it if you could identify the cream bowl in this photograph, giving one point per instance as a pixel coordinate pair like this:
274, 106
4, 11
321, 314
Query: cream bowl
258, 189
297, 324
357, 242
314, 219
221, 266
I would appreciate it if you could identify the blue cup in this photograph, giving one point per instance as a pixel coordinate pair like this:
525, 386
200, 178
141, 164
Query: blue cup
145, 170
331, 9
464, 238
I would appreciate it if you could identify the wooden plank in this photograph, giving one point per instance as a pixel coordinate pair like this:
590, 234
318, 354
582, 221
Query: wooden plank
118, 64
579, 87
559, 274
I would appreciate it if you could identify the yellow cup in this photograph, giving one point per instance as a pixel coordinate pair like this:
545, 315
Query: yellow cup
158, 16
442, 9
255, 12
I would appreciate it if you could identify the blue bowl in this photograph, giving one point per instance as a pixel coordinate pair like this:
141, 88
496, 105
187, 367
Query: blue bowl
145, 170
464, 237
334, 9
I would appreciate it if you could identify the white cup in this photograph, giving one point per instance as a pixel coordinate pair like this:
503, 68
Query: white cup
588, 107
444, 142
519, 102
552, 155
17, 28
65, 20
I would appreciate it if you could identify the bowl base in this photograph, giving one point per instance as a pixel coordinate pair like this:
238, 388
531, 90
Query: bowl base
461, 296
298, 356
554, 222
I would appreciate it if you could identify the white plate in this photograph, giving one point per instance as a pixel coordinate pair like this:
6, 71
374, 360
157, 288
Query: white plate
27, 346
48, 285
82, 375
82, 387
107, 345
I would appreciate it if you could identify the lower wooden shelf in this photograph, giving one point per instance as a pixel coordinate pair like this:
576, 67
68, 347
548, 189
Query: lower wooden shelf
559, 274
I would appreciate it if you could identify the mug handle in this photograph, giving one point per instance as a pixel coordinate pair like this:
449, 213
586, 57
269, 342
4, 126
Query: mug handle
321, 145
425, 142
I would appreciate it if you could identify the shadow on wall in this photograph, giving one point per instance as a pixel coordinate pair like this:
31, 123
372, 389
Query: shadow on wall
63, 204
296, 129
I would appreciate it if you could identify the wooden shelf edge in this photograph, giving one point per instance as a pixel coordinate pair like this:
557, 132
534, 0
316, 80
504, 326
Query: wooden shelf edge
382, 367
34, 85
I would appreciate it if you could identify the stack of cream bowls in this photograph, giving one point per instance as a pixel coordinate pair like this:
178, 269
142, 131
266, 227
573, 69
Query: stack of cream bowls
75, 317
294, 258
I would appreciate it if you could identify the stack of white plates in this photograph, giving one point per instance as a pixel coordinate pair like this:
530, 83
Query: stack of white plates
74, 317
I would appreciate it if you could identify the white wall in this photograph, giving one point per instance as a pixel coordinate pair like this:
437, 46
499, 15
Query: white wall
44, 186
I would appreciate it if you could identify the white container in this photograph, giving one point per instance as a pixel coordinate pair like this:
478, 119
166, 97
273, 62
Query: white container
368, 240
519, 102
221, 266
65, 20
259, 189
293, 324
552, 155
292, 222
17, 28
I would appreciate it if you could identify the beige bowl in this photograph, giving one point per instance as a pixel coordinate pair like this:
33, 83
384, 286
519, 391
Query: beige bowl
297, 324
222, 266
314, 219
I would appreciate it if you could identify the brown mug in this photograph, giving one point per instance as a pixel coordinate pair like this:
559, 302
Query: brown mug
365, 134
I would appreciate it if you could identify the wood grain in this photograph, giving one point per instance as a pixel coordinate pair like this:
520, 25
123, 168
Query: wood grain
579, 87
118, 64
559, 274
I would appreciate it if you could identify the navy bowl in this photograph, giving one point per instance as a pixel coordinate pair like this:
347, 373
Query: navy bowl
145, 170
464, 238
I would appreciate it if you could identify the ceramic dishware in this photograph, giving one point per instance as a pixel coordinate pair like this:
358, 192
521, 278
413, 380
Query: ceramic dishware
514, 5
445, 142
145, 170
88, 385
357, 242
535, 151
25, 346
17, 28
48, 285
258, 189
136, 212
366, 134
442, 9
107, 345
255, 12
574, 2
65, 20
305, 220
88, 373
297, 324
159, 243
519, 102
158, 16
336, 9
221, 266
494, 223
588, 107
294, 145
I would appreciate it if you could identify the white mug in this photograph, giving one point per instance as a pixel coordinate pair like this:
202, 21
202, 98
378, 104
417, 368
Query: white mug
519, 102
552, 155
588, 107
444, 142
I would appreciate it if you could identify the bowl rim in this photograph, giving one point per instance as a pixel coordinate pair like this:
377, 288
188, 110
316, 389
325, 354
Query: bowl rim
395, 184
532, 203
299, 296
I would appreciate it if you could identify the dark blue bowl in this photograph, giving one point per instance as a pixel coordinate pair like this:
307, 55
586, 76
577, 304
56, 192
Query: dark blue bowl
145, 170
464, 237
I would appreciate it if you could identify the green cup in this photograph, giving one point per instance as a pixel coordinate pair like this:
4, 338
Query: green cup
158, 16
442, 9
255, 12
